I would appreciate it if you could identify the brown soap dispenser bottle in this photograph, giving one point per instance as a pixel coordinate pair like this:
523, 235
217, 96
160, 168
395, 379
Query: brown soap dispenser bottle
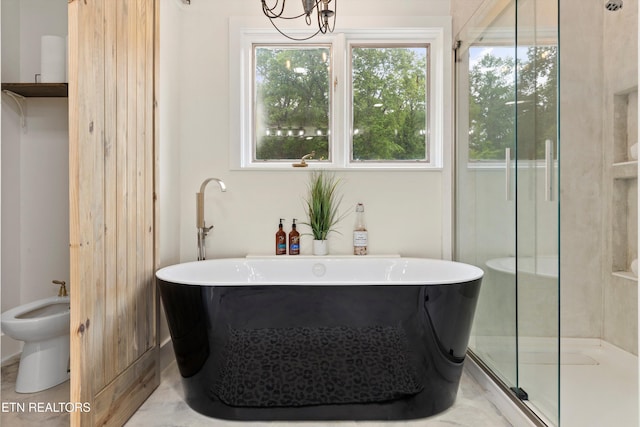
294, 240
281, 240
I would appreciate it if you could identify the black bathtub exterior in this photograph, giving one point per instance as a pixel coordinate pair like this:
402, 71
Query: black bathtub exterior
435, 320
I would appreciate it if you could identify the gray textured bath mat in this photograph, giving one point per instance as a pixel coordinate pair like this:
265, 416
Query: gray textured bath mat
315, 366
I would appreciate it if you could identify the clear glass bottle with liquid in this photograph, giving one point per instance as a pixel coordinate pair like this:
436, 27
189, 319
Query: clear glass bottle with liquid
360, 234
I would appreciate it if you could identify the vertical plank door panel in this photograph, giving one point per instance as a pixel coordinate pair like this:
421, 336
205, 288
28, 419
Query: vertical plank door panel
114, 317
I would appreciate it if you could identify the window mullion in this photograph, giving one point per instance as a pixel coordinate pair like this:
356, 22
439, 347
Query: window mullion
339, 123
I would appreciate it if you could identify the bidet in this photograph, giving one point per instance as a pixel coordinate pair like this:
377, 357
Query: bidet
43, 325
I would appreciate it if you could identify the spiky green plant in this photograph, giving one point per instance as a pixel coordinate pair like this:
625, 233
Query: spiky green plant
323, 204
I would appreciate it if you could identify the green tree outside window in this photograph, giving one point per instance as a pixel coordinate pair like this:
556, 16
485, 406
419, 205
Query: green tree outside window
500, 110
292, 102
389, 103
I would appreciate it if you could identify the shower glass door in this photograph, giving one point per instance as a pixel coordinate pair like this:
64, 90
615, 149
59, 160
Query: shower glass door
537, 204
507, 200
485, 181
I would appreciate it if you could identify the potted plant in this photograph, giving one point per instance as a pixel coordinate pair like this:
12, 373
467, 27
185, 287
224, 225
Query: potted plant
322, 207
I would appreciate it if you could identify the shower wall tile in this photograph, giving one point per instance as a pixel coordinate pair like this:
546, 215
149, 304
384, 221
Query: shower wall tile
581, 172
620, 29
621, 312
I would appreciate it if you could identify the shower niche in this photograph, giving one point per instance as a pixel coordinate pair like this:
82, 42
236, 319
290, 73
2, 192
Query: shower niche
624, 195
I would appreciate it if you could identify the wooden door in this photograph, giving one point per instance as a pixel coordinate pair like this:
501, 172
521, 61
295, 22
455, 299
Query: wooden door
114, 304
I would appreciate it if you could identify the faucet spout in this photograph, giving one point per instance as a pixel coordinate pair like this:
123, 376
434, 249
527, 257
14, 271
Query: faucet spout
303, 163
200, 199
203, 230
220, 182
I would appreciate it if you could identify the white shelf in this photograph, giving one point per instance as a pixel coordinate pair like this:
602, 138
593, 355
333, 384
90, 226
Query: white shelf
625, 170
322, 256
626, 275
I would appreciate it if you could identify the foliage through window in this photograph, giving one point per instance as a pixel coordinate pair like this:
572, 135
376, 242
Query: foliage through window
365, 98
498, 114
292, 91
389, 89
388, 108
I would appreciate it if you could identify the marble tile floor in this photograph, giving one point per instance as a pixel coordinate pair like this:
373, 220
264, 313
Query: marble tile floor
166, 408
599, 381
14, 418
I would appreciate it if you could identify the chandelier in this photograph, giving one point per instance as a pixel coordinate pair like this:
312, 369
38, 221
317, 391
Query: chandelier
326, 17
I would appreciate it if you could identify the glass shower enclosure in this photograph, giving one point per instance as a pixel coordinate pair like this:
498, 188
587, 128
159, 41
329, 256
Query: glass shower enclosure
507, 204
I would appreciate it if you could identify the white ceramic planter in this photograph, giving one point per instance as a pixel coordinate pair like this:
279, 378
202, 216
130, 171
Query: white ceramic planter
320, 247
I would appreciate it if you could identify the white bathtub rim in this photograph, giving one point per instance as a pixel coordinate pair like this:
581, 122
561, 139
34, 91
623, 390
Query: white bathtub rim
445, 272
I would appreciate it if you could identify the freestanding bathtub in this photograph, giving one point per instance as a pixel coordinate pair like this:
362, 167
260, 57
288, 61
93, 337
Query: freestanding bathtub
320, 338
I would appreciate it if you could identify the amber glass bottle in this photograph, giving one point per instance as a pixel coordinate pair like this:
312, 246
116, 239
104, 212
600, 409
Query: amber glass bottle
294, 240
281, 240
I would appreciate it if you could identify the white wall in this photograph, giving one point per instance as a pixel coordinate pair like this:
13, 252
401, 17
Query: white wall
169, 99
462, 11
404, 209
35, 195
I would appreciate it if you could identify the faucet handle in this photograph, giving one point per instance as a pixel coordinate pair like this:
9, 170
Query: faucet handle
63, 289
205, 230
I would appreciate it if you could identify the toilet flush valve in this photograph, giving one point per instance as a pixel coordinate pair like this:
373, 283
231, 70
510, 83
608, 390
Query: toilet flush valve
63, 288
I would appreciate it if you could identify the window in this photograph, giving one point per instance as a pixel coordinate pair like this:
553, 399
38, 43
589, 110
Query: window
292, 96
389, 103
366, 98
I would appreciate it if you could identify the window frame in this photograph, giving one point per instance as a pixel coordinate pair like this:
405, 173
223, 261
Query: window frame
254, 101
428, 89
246, 32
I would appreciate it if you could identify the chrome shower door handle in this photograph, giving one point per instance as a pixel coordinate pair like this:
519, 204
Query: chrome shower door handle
548, 170
507, 171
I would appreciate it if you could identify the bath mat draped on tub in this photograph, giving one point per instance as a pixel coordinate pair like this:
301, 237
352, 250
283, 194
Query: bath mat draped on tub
315, 366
